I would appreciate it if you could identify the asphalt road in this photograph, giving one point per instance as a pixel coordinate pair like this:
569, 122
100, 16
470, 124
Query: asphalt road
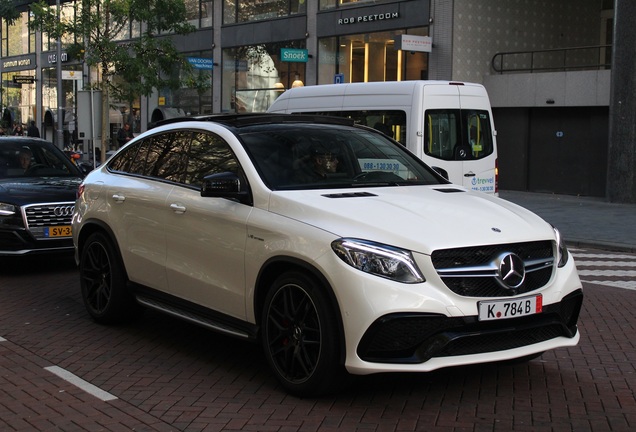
61, 371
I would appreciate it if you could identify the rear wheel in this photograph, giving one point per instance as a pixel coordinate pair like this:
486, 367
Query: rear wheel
103, 282
300, 337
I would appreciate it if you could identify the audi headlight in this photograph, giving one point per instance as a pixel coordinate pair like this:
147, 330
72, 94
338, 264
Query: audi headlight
378, 259
562, 251
7, 209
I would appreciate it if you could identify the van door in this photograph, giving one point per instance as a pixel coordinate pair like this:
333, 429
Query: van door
480, 164
458, 138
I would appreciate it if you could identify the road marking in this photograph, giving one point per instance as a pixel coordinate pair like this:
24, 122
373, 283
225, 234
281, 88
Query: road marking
592, 268
2, 339
78, 382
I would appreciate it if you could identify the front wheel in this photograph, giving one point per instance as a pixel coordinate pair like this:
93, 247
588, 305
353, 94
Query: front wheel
103, 282
300, 337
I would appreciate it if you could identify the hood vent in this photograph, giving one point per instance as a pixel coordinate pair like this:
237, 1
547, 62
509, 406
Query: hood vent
450, 190
350, 195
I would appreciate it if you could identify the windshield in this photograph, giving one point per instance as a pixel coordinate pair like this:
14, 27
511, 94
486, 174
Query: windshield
33, 159
452, 134
309, 156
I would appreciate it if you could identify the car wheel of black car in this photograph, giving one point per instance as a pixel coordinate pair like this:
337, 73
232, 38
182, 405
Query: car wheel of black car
103, 282
300, 338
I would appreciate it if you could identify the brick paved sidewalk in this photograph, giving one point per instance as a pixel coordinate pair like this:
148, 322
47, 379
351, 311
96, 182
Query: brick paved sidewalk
172, 376
32, 398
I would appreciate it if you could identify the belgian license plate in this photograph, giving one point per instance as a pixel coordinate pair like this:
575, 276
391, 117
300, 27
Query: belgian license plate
58, 231
503, 309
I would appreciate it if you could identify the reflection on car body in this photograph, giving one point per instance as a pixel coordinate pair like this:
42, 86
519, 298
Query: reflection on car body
377, 264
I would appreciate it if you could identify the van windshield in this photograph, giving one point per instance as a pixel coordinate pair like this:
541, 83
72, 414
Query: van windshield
311, 156
453, 134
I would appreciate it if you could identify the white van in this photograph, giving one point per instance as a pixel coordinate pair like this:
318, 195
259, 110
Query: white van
446, 124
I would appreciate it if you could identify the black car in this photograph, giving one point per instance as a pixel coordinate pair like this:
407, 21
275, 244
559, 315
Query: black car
38, 187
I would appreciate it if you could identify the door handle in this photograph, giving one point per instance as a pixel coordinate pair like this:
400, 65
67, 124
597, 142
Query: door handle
119, 198
178, 208
469, 174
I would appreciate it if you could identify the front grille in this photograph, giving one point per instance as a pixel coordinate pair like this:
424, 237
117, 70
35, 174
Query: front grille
416, 338
40, 217
471, 271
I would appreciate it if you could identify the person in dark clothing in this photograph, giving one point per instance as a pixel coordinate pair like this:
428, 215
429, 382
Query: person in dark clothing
18, 131
124, 135
33, 130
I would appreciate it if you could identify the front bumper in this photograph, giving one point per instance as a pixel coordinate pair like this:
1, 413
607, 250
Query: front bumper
20, 242
417, 338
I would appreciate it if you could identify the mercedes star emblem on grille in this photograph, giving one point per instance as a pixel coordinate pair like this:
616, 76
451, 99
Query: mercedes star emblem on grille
512, 271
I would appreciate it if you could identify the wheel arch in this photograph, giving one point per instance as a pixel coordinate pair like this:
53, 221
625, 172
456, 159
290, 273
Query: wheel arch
92, 226
274, 267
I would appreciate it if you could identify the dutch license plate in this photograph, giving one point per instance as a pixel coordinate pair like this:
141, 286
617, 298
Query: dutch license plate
58, 231
503, 309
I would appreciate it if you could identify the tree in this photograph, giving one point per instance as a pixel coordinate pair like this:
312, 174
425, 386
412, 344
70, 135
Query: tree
142, 64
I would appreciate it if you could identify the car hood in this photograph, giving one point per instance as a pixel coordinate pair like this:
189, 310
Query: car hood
418, 218
38, 189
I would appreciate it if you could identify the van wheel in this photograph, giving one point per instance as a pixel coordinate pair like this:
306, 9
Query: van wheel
103, 282
299, 336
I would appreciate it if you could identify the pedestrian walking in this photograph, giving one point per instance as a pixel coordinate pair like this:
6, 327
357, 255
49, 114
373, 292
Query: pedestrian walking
33, 131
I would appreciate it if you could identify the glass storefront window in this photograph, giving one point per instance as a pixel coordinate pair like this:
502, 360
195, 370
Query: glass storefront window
330, 4
18, 101
191, 100
199, 12
49, 101
256, 76
236, 11
17, 39
370, 57
67, 14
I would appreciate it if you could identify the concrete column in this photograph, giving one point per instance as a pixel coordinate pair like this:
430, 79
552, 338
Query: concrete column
621, 166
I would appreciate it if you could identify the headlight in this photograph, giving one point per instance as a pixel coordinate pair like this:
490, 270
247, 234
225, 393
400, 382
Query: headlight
7, 209
378, 259
562, 251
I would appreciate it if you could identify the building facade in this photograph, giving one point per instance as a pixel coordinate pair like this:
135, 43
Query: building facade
550, 106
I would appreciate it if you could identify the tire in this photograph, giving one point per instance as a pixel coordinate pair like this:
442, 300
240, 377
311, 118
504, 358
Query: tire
300, 337
103, 282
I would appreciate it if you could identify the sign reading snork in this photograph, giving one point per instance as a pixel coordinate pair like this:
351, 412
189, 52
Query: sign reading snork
294, 55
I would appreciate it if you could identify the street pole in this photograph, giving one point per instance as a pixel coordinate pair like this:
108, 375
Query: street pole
60, 95
621, 167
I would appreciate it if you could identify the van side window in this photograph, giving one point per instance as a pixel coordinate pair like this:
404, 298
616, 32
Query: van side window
452, 134
392, 123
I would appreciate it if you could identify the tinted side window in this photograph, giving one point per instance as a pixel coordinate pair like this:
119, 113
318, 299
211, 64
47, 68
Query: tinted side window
122, 161
209, 154
160, 156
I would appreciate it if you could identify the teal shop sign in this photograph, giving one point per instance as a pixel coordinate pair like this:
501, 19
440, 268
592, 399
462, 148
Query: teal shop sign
294, 55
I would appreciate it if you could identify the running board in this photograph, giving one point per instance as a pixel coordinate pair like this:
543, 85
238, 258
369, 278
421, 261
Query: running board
192, 317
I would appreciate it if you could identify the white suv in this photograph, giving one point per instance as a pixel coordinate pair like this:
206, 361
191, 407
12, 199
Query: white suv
330, 244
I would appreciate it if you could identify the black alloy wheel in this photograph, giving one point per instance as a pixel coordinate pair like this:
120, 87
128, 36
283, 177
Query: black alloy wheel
103, 282
300, 338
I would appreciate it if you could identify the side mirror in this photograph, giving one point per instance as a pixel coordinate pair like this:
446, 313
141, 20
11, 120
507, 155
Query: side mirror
224, 185
441, 171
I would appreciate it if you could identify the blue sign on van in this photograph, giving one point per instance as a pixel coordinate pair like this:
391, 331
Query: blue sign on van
294, 55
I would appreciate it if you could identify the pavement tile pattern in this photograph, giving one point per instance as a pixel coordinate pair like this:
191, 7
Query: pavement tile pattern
168, 375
